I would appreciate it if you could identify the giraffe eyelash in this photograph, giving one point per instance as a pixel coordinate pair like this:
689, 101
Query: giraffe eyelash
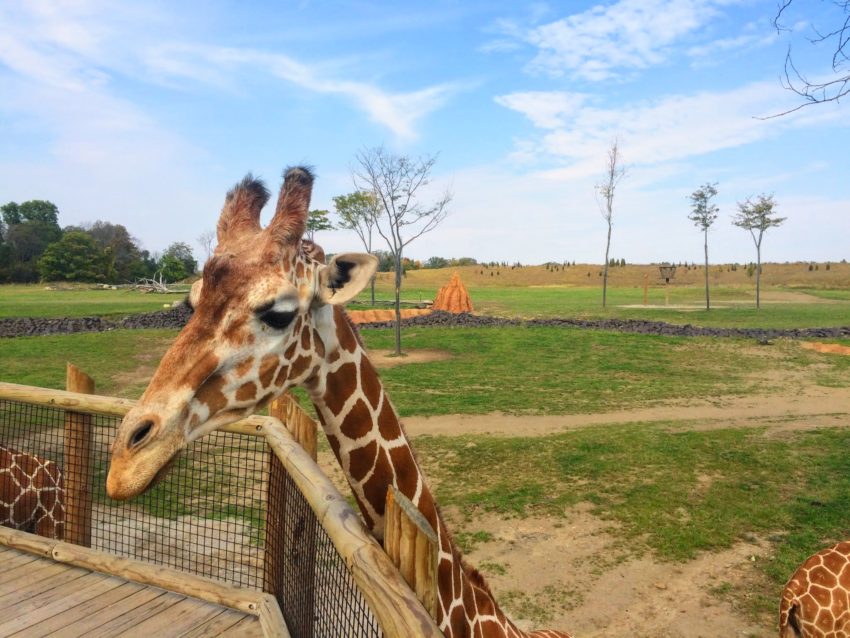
277, 320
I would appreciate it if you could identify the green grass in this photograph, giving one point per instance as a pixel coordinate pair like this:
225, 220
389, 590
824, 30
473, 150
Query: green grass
558, 370
738, 309
35, 301
670, 491
110, 357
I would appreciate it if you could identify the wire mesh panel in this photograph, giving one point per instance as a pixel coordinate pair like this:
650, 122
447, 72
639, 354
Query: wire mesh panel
227, 509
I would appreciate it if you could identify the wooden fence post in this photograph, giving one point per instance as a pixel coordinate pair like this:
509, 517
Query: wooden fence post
411, 544
77, 465
291, 536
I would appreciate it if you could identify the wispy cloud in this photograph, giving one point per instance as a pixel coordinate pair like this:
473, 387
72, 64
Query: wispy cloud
753, 37
575, 133
399, 112
609, 40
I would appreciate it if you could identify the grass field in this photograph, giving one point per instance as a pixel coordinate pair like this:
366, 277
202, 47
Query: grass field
671, 490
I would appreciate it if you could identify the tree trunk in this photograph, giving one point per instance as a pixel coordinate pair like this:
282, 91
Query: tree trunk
758, 277
605, 269
707, 302
373, 289
398, 304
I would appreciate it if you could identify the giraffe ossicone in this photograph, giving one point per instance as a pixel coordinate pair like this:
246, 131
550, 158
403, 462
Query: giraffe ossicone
268, 316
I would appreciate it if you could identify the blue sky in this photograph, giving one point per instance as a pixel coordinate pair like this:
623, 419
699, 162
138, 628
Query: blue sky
146, 113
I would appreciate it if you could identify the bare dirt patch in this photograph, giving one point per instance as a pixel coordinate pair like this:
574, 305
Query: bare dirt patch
386, 358
574, 574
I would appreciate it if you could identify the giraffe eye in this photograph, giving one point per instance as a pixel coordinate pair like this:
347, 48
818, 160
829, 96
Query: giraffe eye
277, 320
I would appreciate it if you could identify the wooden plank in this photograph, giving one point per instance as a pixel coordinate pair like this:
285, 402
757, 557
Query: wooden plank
216, 626
135, 616
59, 578
58, 600
85, 626
12, 558
174, 620
81, 612
29, 575
249, 627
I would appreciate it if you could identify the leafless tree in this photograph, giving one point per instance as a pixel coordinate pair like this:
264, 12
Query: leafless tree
605, 190
703, 214
359, 211
397, 182
819, 91
205, 241
757, 216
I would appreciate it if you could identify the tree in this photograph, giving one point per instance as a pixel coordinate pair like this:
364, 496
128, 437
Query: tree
11, 213
75, 257
359, 211
829, 89
124, 257
31, 228
757, 217
437, 262
318, 220
205, 241
605, 190
397, 182
39, 210
703, 214
177, 262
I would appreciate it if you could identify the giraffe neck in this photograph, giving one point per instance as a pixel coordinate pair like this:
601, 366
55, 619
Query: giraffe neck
370, 444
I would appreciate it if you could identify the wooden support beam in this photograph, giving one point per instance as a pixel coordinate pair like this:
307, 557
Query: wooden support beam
411, 544
77, 466
303, 428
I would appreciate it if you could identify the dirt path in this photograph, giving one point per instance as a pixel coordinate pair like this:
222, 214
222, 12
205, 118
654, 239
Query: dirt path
810, 406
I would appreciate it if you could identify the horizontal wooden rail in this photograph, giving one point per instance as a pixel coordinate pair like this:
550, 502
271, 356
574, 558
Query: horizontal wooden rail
97, 404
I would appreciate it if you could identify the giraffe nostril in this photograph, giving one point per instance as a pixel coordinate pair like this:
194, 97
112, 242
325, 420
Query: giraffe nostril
141, 433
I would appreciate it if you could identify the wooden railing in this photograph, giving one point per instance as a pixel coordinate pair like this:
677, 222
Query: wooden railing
398, 610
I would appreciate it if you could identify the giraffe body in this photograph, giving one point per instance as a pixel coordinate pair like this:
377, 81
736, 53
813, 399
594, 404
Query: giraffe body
268, 316
32, 494
816, 601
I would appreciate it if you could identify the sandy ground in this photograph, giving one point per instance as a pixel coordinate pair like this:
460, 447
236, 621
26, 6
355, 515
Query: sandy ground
574, 573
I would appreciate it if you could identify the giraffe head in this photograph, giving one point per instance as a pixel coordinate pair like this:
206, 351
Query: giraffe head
260, 309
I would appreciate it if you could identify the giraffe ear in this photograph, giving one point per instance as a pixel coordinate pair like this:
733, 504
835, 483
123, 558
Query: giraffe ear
345, 276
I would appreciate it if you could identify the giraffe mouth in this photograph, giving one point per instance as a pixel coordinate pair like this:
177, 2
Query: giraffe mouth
161, 473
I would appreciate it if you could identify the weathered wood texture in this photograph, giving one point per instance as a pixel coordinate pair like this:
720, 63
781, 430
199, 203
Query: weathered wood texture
77, 464
62, 600
302, 427
411, 544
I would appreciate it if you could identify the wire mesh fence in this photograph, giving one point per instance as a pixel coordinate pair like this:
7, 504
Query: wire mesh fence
226, 510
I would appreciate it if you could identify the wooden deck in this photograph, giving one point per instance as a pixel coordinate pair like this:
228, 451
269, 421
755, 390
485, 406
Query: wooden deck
40, 597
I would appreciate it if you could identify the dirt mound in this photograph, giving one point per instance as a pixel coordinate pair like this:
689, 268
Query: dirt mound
829, 348
376, 316
453, 297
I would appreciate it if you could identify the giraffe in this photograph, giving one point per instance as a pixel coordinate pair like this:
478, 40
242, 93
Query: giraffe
816, 601
31, 494
268, 316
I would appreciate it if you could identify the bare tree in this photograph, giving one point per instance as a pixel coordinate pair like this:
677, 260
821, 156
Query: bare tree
703, 214
757, 216
614, 172
397, 182
830, 89
359, 211
205, 241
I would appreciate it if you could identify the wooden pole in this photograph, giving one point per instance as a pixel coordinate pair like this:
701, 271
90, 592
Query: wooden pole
645, 288
290, 557
411, 544
77, 465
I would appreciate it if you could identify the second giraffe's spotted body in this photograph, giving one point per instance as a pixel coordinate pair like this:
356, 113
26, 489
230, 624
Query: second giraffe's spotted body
268, 317
816, 601
32, 494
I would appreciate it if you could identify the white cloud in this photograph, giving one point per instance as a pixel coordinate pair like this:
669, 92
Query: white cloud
669, 129
606, 40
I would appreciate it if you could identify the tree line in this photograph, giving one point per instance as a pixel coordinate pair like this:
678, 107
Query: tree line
33, 247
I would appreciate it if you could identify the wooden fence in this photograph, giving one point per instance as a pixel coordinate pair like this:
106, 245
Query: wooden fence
403, 603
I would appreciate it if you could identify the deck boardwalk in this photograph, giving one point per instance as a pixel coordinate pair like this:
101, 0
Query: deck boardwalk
39, 597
